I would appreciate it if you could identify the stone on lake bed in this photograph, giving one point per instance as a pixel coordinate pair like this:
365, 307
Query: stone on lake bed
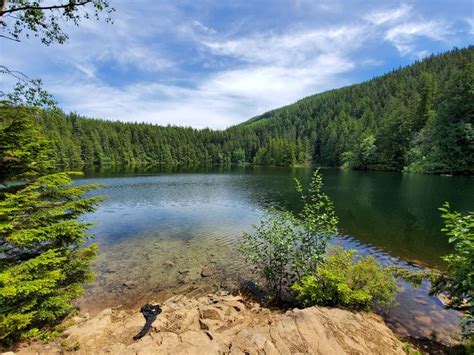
129, 284
169, 263
421, 300
423, 319
207, 271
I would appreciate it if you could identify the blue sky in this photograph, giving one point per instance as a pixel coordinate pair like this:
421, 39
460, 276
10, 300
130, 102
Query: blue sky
217, 63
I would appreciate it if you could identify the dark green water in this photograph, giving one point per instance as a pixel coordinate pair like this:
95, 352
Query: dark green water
157, 230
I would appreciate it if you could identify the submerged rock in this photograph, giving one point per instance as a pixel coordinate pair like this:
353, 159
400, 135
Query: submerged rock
225, 324
130, 285
207, 271
169, 264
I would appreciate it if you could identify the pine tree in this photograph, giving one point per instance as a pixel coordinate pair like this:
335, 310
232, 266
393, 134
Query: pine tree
21, 156
43, 261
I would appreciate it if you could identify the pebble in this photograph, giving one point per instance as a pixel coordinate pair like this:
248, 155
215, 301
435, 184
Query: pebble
169, 264
207, 271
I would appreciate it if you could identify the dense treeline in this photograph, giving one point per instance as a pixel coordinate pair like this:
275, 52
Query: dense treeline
418, 118
80, 141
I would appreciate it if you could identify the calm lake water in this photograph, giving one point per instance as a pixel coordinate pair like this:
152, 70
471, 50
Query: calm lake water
159, 230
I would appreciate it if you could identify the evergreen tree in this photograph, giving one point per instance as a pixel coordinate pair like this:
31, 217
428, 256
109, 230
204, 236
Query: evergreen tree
20, 156
44, 263
43, 260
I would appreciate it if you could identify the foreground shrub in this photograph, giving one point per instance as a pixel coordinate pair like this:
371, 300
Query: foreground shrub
43, 261
343, 281
458, 282
285, 247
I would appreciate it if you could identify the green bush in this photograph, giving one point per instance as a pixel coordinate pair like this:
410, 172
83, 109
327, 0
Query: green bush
284, 247
271, 251
343, 281
290, 254
458, 282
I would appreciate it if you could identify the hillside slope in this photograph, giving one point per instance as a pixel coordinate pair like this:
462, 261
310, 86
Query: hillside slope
417, 118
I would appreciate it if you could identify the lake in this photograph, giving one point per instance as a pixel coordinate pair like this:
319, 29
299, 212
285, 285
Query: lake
165, 232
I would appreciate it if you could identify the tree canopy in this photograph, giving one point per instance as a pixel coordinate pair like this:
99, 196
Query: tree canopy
43, 20
418, 118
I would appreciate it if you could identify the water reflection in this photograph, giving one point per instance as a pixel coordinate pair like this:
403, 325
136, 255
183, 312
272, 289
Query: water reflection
159, 230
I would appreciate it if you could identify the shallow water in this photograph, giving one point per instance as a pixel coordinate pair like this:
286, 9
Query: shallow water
158, 231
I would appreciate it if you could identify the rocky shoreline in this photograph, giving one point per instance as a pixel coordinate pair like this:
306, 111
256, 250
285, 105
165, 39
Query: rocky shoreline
225, 324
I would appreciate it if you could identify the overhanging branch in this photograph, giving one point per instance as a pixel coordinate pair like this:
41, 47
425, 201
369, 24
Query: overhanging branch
70, 4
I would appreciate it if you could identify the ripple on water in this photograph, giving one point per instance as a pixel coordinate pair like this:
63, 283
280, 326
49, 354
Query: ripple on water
149, 266
157, 233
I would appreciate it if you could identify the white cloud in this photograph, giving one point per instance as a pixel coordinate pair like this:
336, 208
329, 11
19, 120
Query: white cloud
403, 36
159, 64
88, 69
141, 57
386, 16
403, 27
223, 99
470, 22
203, 28
149, 102
288, 48
275, 70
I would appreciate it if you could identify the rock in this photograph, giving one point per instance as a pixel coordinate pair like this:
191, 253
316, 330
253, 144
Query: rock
130, 285
207, 271
443, 299
238, 306
211, 313
169, 264
218, 324
423, 319
420, 300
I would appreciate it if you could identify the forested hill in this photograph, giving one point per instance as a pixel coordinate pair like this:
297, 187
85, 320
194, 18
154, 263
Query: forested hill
417, 118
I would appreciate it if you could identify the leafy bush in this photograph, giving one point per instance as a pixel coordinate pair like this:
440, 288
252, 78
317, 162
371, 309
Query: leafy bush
458, 282
43, 261
290, 254
271, 250
284, 247
342, 281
